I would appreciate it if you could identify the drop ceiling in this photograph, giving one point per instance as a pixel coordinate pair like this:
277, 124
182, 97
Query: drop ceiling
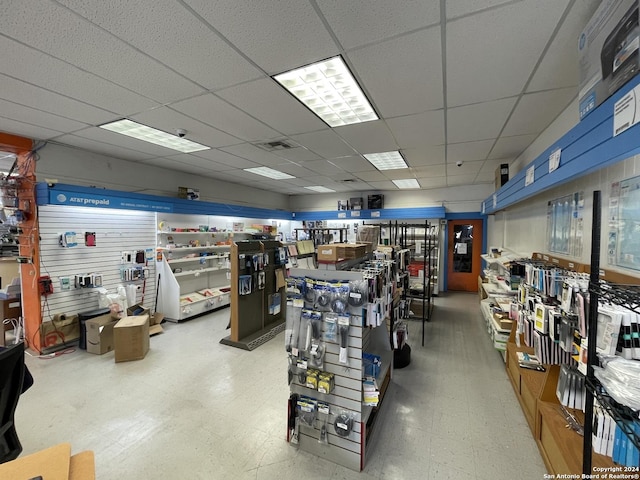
472, 81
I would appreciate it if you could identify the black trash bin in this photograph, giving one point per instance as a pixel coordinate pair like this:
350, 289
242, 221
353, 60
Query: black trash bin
83, 317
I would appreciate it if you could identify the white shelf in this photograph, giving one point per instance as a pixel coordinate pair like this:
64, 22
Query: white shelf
197, 272
493, 289
207, 232
186, 249
194, 259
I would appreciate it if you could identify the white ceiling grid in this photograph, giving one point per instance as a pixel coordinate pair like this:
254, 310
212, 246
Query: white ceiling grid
206, 65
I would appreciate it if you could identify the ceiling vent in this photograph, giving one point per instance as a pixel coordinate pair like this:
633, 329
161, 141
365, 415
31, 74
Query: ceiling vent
348, 180
276, 145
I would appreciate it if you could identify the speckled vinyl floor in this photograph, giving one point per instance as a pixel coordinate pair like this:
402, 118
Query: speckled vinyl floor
196, 409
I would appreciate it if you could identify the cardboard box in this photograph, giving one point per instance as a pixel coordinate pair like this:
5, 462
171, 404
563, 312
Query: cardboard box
155, 319
137, 309
131, 338
608, 52
100, 334
330, 253
355, 250
502, 175
61, 330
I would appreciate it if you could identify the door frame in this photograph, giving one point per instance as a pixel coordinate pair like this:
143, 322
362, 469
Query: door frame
445, 242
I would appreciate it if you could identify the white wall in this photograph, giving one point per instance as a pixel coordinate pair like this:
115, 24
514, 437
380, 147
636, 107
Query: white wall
523, 227
79, 167
455, 199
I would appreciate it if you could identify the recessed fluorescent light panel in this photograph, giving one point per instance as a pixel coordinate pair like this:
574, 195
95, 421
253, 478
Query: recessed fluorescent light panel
329, 90
320, 188
386, 160
269, 172
153, 135
407, 183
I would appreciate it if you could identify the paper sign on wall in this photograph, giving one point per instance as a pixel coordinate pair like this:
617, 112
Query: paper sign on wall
554, 160
626, 111
355, 213
375, 214
342, 214
531, 171
495, 200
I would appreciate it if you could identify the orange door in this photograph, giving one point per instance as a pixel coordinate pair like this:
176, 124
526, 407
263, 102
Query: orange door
463, 254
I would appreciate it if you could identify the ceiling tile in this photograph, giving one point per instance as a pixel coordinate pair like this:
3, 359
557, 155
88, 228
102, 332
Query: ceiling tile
295, 170
368, 137
301, 182
267, 101
168, 120
352, 164
511, 147
360, 22
433, 182
460, 179
41, 99
371, 176
264, 31
430, 171
419, 157
26, 129
172, 35
173, 164
402, 75
559, 67
513, 38
38, 117
98, 52
325, 167
491, 165
255, 154
485, 177
47, 72
389, 185
469, 150
399, 174
481, 121
325, 143
102, 148
204, 163
535, 111
219, 114
297, 154
467, 168
225, 158
465, 7
414, 131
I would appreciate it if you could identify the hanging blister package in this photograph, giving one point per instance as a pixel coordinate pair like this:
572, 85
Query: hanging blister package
309, 292
357, 293
292, 323
330, 327
323, 417
339, 297
316, 354
304, 338
323, 296
307, 411
343, 423
343, 338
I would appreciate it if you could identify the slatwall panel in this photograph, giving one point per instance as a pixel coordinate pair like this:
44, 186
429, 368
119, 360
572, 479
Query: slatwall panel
116, 231
347, 394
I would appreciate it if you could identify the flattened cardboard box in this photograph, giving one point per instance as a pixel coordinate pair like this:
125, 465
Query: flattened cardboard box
154, 320
131, 338
100, 334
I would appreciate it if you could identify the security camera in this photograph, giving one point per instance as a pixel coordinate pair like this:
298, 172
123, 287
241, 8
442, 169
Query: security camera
181, 132
458, 163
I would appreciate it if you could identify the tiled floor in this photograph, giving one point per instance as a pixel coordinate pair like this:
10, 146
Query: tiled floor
196, 409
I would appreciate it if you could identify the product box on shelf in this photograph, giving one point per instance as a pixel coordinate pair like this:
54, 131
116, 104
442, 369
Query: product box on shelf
608, 52
131, 338
330, 253
354, 250
502, 175
100, 334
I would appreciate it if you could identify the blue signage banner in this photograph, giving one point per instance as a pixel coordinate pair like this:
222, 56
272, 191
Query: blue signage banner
77, 199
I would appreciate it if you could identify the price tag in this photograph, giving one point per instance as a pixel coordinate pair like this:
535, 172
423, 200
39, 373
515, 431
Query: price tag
554, 160
531, 171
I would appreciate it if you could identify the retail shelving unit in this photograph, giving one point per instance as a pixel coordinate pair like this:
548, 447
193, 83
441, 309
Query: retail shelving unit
496, 291
349, 451
629, 297
421, 239
193, 271
323, 235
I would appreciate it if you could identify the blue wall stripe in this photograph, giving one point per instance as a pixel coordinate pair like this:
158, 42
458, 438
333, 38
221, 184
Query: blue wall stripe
586, 148
384, 214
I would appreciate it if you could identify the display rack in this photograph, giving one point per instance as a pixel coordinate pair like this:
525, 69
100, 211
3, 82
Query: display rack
349, 451
621, 295
193, 272
257, 315
421, 239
